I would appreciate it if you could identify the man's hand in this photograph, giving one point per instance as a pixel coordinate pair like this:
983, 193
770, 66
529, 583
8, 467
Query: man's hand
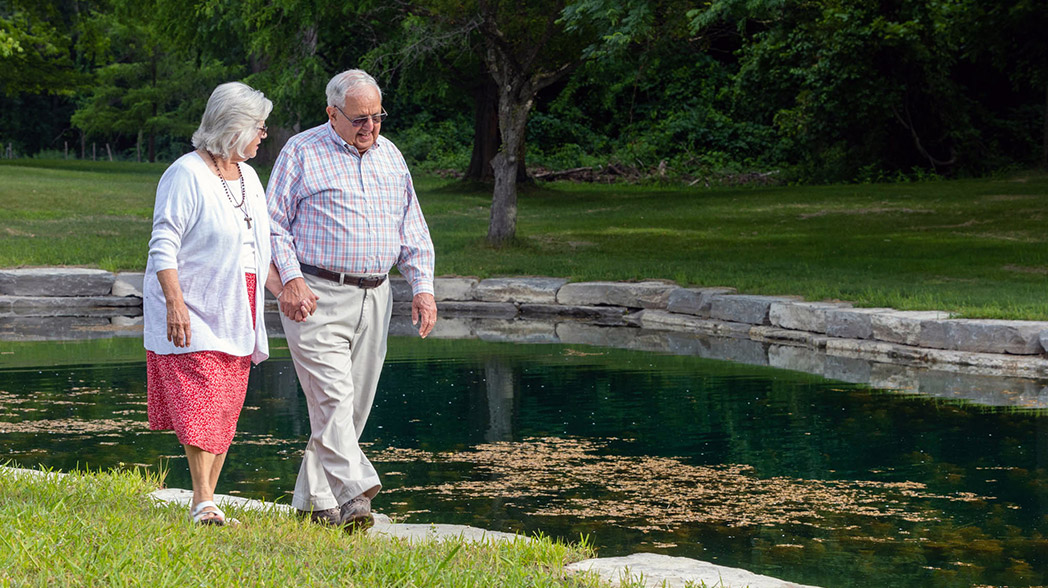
425, 307
297, 301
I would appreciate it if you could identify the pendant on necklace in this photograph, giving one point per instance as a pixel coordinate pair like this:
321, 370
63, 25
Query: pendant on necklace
247, 219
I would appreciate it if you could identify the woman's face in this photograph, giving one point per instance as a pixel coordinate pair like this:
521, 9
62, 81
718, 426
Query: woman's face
260, 133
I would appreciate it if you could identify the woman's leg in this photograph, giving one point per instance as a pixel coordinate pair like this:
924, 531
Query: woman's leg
216, 469
205, 476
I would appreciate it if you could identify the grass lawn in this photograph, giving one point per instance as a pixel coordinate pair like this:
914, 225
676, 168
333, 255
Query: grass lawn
102, 529
974, 247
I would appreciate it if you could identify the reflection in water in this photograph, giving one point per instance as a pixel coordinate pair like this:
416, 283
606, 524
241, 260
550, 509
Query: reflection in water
498, 379
783, 474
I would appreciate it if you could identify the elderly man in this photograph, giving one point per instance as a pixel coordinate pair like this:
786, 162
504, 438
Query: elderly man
344, 212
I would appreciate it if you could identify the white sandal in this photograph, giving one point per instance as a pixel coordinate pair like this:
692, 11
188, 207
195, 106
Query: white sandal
198, 514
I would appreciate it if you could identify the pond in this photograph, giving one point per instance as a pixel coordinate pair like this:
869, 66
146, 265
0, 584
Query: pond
784, 474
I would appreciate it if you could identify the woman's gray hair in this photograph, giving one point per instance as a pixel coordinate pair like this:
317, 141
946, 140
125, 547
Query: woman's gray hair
231, 119
349, 82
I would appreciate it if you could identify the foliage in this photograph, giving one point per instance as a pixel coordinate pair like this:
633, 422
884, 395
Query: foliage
847, 83
823, 90
146, 86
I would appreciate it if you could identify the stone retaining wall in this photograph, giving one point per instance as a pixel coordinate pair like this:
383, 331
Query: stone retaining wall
877, 346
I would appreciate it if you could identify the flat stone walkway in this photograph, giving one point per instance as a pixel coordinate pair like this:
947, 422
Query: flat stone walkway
654, 568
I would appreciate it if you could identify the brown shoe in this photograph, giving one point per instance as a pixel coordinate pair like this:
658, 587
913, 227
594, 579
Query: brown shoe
328, 516
356, 514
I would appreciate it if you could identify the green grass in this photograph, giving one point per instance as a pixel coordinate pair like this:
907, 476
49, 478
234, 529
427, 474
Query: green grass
974, 247
102, 529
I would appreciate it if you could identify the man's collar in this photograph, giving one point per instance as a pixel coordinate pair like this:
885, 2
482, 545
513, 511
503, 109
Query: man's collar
334, 136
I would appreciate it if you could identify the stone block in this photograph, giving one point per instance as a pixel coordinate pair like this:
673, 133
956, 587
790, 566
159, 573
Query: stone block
126, 322
902, 326
454, 288
743, 308
851, 323
778, 335
58, 281
984, 336
875, 350
628, 294
130, 284
694, 301
654, 569
400, 289
601, 315
54, 328
661, 319
519, 290
475, 309
62, 306
802, 316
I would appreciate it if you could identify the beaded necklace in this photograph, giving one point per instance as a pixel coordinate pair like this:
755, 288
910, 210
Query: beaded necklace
243, 190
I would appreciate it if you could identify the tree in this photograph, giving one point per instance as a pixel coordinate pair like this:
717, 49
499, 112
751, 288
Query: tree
851, 83
1010, 33
522, 59
147, 88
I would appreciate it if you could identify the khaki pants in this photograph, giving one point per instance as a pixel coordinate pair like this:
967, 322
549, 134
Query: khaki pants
338, 354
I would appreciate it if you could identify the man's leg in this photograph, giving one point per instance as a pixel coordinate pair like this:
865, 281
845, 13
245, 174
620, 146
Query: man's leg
368, 355
334, 469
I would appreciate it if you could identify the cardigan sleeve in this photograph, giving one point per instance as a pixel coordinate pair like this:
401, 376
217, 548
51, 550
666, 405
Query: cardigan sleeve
176, 207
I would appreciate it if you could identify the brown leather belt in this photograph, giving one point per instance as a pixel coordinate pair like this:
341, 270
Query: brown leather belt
343, 279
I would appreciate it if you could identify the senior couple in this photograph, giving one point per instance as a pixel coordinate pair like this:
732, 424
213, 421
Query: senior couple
340, 211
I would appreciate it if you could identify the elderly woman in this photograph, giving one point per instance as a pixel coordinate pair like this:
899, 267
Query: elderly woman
202, 298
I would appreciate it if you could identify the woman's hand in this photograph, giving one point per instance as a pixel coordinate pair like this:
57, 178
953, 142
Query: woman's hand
177, 313
178, 331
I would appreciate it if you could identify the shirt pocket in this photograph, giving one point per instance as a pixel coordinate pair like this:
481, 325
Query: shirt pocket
391, 197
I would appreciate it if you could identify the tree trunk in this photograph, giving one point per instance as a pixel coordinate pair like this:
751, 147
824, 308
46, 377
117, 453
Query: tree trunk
514, 106
485, 132
486, 139
1044, 151
152, 132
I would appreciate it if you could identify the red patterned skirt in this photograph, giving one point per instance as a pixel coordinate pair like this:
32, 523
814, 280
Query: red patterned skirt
199, 395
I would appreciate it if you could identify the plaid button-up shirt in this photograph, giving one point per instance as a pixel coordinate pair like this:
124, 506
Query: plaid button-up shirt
337, 209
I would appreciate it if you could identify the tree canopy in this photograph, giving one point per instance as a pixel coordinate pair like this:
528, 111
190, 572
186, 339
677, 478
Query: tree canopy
811, 90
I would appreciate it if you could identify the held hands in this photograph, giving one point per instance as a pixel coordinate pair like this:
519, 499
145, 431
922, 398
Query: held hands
425, 307
178, 324
297, 301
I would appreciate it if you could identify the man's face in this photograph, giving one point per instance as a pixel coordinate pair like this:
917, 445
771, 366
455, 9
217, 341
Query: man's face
361, 103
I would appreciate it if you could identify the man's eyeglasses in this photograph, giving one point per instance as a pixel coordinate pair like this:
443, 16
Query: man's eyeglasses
263, 131
356, 122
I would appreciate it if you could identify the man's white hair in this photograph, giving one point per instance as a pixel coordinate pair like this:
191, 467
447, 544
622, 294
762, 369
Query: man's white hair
231, 119
349, 82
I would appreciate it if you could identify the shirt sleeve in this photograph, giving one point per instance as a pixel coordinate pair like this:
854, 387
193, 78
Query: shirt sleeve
416, 247
177, 202
282, 198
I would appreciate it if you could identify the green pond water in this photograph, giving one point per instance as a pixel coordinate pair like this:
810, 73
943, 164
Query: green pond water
780, 473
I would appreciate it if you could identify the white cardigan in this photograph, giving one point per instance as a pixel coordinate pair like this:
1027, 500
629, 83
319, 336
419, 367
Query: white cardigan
197, 231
